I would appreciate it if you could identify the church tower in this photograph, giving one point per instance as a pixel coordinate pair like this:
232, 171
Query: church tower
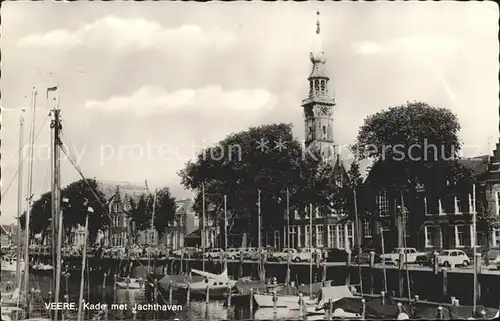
318, 106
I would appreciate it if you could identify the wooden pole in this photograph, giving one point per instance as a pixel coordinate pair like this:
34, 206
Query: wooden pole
288, 218
358, 239
203, 236
383, 259
20, 203
474, 300
310, 250
84, 257
225, 232
28, 196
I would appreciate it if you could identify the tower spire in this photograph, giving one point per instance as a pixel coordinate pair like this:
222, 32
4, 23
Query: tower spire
317, 24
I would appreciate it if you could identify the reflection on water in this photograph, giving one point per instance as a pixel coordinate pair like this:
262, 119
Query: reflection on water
196, 310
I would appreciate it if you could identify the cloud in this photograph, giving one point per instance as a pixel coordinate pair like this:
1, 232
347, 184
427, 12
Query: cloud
149, 100
122, 34
409, 45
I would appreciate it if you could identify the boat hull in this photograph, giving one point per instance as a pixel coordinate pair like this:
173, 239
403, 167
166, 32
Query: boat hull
282, 301
131, 284
11, 266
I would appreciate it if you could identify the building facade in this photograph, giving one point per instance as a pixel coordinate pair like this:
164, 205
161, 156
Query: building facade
436, 223
119, 194
184, 223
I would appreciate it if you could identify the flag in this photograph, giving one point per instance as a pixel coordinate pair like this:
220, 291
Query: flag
51, 89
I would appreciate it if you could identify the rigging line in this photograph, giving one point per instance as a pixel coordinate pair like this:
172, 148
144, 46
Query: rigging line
22, 161
86, 181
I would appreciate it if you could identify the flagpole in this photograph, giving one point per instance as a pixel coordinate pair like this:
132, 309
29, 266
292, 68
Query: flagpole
203, 224
474, 247
310, 250
225, 232
288, 218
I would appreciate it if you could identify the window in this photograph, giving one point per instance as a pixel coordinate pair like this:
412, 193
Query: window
319, 235
432, 206
323, 83
293, 232
432, 236
481, 238
496, 234
367, 228
497, 200
324, 132
332, 236
449, 204
302, 236
341, 232
383, 204
307, 235
462, 235
277, 238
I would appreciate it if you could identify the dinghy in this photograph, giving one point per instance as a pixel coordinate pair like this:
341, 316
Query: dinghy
130, 283
11, 265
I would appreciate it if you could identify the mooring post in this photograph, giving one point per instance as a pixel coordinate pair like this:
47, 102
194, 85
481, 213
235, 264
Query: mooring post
324, 274
251, 301
435, 264
207, 293
401, 283
114, 285
445, 281
330, 309
155, 290
477, 264
363, 309
440, 313
170, 292
275, 302
382, 297
348, 268
229, 294
188, 292
301, 306
104, 281
372, 268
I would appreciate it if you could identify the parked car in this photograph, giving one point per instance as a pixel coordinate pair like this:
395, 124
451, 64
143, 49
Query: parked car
364, 258
213, 254
409, 255
250, 253
233, 253
282, 255
189, 252
304, 255
453, 258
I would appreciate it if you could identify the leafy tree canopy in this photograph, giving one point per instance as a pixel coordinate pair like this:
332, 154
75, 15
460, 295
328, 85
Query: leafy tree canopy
240, 165
410, 144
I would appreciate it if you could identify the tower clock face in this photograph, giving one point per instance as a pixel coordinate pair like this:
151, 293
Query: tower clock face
324, 110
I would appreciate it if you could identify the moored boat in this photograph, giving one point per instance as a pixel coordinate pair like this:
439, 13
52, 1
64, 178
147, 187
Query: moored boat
11, 265
130, 283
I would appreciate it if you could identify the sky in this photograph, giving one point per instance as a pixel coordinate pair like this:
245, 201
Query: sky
143, 86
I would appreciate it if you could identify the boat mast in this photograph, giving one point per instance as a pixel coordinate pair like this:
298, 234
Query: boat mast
262, 274
225, 232
203, 236
358, 237
310, 250
57, 214
152, 229
474, 233
19, 201
84, 258
29, 196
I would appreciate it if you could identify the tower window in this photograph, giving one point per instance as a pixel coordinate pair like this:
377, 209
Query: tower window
324, 132
323, 86
316, 85
310, 131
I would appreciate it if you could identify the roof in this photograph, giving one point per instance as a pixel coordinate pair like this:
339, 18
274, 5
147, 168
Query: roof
5, 230
184, 206
478, 165
127, 189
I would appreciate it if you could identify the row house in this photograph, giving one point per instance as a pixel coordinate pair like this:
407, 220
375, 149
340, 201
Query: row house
184, 223
329, 230
119, 194
205, 234
443, 222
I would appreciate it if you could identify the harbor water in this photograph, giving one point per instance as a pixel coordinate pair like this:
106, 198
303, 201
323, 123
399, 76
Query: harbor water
195, 310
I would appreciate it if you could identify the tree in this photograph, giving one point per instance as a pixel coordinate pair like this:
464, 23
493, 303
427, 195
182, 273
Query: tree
411, 144
265, 158
164, 210
140, 211
79, 193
